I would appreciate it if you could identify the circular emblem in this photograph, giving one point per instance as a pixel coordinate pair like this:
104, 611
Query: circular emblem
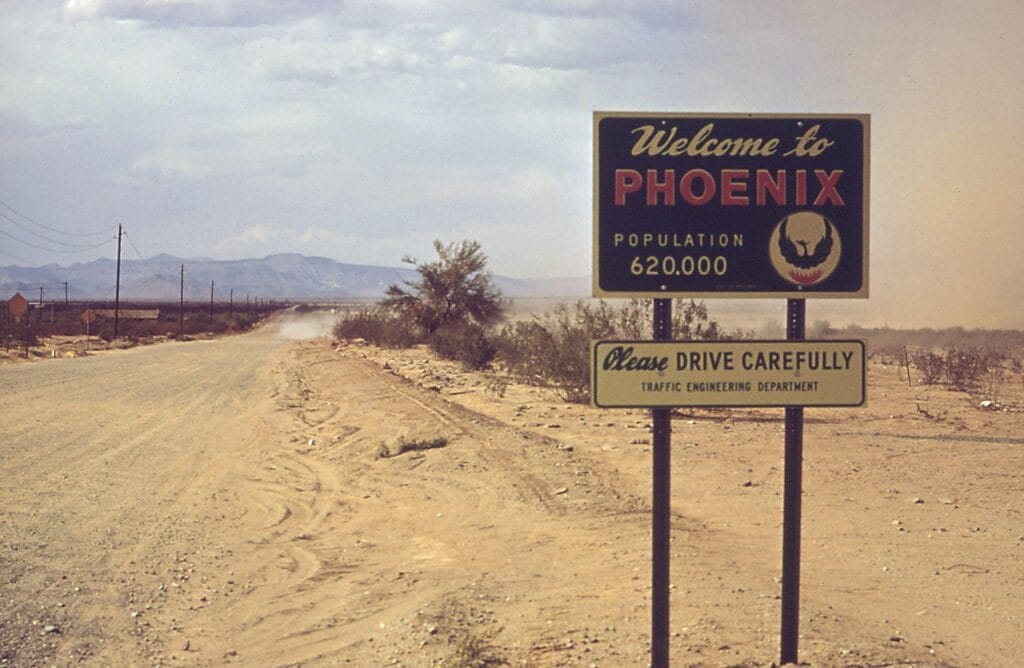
805, 248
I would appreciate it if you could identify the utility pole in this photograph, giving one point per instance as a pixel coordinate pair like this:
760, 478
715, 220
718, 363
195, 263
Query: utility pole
181, 306
211, 306
231, 306
40, 295
117, 283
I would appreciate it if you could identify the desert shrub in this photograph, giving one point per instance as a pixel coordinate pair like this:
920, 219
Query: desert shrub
964, 367
521, 347
379, 327
635, 318
931, 366
690, 321
454, 289
474, 651
554, 350
467, 343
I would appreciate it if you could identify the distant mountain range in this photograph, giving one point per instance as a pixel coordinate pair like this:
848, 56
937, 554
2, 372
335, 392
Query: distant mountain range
281, 276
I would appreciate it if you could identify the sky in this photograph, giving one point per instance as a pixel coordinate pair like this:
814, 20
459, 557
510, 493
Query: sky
362, 131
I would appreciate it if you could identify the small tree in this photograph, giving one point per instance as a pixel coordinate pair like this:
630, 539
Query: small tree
453, 290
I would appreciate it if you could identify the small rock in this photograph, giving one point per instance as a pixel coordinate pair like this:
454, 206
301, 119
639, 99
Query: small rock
51, 628
917, 499
562, 490
231, 652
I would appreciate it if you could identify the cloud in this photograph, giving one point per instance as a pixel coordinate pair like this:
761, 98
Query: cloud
266, 238
196, 13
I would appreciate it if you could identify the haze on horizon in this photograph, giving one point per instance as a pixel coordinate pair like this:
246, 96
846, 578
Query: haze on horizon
362, 131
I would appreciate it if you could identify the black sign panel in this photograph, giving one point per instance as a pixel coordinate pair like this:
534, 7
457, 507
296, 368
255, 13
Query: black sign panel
730, 205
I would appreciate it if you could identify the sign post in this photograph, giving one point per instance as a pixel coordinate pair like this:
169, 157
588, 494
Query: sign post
792, 492
88, 315
661, 505
734, 206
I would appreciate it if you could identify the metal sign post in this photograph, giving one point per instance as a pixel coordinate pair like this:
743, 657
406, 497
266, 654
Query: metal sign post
791, 498
661, 506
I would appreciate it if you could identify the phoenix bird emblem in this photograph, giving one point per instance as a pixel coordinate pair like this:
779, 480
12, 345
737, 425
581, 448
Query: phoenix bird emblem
797, 252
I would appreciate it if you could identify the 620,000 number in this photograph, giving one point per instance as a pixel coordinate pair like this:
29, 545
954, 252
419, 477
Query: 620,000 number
688, 265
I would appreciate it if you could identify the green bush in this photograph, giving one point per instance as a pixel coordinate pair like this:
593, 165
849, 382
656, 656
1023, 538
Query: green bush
453, 290
466, 343
554, 349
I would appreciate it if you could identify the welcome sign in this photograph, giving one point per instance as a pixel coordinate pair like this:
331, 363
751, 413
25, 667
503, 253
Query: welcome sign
730, 205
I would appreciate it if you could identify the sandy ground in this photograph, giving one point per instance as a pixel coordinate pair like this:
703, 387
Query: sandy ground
245, 501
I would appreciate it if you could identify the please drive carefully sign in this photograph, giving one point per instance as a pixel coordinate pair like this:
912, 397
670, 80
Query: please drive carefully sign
730, 205
668, 374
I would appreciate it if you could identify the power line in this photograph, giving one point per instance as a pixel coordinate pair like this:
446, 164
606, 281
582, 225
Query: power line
134, 248
131, 267
53, 229
42, 236
52, 250
15, 257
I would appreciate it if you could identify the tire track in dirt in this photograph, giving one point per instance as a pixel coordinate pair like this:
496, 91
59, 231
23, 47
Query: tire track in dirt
423, 559
314, 570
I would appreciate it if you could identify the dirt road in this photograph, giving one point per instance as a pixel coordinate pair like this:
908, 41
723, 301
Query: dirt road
247, 501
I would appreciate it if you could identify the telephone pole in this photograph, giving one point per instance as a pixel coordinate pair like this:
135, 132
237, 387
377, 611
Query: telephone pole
211, 306
117, 283
181, 306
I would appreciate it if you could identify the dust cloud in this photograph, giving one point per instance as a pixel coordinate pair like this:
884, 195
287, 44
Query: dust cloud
303, 326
